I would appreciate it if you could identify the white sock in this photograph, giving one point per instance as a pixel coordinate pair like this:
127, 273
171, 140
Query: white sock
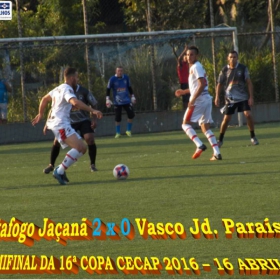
212, 140
192, 134
71, 157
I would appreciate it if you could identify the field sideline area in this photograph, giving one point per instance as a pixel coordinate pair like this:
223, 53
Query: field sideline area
165, 185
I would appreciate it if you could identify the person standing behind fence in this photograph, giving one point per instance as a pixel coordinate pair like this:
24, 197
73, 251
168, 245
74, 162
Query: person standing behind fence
5, 87
234, 78
199, 107
123, 97
183, 75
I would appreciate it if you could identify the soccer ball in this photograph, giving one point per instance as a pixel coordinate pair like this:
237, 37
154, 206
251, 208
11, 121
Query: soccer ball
121, 171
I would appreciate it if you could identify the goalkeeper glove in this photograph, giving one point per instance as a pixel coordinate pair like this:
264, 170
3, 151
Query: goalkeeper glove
133, 99
108, 102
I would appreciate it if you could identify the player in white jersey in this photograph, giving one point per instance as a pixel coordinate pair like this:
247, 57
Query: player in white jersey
199, 107
63, 98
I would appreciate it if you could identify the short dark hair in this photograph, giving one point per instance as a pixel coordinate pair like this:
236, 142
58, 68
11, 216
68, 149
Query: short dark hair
69, 71
233, 52
193, 48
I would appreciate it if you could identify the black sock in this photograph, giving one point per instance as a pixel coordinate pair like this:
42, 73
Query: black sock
221, 137
92, 150
54, 153
252, 133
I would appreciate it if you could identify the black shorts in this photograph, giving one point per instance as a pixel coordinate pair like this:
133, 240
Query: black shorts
241, 107
83, 127
129, 110
185, 97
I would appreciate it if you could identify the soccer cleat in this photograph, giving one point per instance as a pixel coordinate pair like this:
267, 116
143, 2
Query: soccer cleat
65, 178
254, 141
117, 135
59, 177
93, 168
48, 169
216, 157
220, 143
128, 133
199, 151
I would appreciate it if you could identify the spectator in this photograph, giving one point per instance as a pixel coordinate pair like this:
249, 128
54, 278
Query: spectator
183, 75
5, 87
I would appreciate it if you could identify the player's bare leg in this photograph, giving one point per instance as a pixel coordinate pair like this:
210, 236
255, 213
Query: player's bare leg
250, 124
223, 128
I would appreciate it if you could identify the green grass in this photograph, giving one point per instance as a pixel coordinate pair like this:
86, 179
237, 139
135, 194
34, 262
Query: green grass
165, 185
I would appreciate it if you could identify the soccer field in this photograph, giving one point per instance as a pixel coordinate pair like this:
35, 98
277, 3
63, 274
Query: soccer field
165, 186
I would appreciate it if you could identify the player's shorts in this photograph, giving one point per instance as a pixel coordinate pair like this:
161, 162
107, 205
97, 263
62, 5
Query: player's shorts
185, 97
63, 133
3, 111
201, 113
241, 106
128, 108
84, 127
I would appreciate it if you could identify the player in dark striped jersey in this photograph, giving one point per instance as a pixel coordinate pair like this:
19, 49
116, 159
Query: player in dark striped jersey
235, 80
83, 123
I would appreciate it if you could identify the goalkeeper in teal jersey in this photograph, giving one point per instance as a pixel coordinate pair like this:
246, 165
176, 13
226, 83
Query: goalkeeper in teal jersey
123, 97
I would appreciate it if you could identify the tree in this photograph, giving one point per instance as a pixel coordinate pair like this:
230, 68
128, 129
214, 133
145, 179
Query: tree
165, 14
228, 10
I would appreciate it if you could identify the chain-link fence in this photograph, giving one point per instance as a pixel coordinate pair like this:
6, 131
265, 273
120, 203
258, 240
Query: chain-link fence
44, 59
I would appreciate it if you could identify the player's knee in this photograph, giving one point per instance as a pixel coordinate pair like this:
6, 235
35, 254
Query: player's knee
131, 115
247, 114
56, 143
82, 147
89, 138
118, 119
227, 118
186, 126
90, 141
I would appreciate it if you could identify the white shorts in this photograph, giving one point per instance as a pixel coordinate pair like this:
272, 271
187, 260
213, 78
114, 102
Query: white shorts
63, 133
3, 111
201, 112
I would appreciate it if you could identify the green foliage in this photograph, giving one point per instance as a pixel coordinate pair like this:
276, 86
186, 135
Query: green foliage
52, 18
166, 14
32, 100
260, 67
